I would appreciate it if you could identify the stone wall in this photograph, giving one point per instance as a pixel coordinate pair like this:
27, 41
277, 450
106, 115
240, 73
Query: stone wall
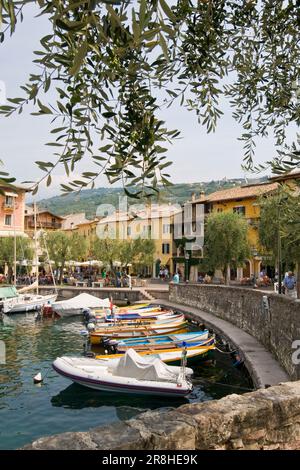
264, 419
118, 295
272, 319
158, 294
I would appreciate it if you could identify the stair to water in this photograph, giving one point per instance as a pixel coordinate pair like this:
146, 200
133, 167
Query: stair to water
146, 294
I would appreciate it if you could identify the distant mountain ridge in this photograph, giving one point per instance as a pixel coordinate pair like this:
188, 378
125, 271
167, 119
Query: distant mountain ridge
89, 199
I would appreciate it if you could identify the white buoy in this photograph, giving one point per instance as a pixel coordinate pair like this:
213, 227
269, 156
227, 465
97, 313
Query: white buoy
38, 378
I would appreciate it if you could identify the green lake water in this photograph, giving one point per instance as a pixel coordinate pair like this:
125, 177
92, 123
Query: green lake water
29, 411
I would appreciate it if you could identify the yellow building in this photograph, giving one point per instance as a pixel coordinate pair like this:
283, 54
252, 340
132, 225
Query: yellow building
245, 201
152, 222
71, 221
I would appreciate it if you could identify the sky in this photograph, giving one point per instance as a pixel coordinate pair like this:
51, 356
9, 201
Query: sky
197, 156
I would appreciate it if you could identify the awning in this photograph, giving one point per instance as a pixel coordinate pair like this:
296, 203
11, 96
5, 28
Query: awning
7, 193
11, 233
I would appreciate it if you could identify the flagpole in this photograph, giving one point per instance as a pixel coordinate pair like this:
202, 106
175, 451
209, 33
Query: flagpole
36, 250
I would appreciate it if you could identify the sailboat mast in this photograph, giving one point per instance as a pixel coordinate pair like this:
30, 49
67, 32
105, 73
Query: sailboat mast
36, 250
15, 244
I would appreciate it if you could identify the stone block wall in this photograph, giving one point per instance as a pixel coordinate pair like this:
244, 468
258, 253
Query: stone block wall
272, 319
265, 419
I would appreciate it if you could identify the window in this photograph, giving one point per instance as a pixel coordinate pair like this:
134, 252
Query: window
147, 230
128, 231
8, 219
166, 248
166, 228
9, 201
240, 210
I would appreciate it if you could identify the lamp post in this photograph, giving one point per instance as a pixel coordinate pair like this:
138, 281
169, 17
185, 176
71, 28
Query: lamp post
279, 246
186, 266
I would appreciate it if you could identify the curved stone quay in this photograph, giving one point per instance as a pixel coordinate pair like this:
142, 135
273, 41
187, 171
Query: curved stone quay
261, 365
272, 320
263, 327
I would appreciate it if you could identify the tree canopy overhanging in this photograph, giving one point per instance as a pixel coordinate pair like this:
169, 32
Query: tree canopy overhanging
115, 64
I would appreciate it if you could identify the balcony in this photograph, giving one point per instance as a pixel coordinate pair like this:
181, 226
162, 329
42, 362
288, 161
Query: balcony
8, 206
44, 225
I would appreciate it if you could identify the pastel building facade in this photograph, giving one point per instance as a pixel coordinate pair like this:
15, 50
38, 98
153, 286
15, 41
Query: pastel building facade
12, 209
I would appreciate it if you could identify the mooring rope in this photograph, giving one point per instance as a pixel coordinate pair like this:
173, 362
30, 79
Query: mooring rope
226, 352
211, 382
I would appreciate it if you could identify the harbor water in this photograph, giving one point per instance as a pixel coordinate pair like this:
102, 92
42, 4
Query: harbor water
29, 411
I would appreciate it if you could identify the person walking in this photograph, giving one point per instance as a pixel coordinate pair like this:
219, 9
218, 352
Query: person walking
289, 283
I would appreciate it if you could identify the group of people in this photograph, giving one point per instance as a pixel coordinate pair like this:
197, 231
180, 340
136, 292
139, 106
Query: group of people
122, 279
206, 279
164, 273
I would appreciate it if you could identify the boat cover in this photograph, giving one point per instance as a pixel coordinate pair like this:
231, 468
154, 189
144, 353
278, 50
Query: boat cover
8, 292
135, 366
81, 301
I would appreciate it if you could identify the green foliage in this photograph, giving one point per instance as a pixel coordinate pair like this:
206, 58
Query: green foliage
88, 200
107, 250
24, 250
107, 59
62, 247
139, 252
225, 240
143, 253
280, 223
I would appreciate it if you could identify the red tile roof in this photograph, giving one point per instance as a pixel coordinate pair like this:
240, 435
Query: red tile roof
242, 192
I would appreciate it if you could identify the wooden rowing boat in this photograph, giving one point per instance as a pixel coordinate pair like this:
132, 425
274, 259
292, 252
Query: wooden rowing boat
133, 331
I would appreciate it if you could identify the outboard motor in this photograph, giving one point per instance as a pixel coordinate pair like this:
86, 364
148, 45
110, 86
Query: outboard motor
88, 316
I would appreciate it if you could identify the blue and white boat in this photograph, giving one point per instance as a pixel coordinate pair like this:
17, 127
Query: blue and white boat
197, 338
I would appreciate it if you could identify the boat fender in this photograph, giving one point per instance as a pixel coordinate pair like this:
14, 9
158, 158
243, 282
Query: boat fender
91, 326
83, 333
37, 378
90, 354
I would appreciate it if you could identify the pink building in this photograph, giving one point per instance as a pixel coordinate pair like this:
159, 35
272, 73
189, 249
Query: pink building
12, 207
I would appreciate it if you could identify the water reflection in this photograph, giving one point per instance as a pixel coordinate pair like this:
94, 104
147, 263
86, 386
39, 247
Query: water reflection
28, 411
78, 397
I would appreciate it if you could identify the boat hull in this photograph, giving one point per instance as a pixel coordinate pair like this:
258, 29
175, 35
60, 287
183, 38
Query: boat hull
28, 306
98, 337
162, 342
194, 355
121, 385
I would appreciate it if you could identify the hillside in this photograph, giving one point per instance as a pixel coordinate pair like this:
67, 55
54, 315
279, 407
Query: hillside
88, 200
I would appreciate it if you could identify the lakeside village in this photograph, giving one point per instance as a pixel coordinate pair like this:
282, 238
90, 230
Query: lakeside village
63, 274
158, 243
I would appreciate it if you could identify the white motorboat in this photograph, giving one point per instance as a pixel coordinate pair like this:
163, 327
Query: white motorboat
131, 373
75, 306
23, 300
27, 302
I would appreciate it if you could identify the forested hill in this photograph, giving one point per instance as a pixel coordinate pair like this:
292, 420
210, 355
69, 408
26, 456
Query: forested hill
88, 200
